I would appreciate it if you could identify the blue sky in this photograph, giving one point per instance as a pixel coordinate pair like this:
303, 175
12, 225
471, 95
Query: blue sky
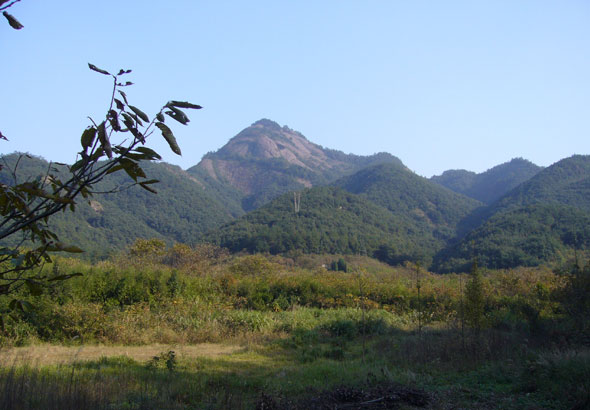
440, 84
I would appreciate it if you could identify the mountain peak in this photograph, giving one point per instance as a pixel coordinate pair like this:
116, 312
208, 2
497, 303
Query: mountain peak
265, 139
265, 122
265, 160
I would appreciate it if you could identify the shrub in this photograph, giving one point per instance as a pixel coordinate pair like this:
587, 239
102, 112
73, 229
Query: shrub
253, 265
339, 266
474, 300
574, 299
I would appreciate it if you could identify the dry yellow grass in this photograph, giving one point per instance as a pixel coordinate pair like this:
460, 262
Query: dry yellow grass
52, 354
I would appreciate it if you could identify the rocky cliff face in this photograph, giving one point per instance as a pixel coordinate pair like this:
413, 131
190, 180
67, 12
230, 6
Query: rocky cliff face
265, 139
266, 160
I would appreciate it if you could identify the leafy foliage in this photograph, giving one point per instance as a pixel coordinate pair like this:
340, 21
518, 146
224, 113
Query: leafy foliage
12, 21
474, 300
574, 299
106, 223
26, 204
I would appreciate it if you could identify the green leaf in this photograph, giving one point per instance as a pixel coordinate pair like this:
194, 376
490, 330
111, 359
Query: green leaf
183, 104
140, 113
150, 152
120, 105
77, 165
114, 169
60, 247
135, 156
160, 117
136, 118
128, 120
4, 289
178, 115
98, 70
104, 141
64, 277
14, 23
147, 188
35, 191
72, 249
132, 168
88, 137
114, 120
97, 154
124, 96
169, 137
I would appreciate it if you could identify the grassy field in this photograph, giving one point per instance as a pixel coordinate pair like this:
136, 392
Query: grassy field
203, 330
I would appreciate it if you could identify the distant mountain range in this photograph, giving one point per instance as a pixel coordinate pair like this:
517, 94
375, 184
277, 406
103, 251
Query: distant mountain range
242, 197
490, 185
538, 221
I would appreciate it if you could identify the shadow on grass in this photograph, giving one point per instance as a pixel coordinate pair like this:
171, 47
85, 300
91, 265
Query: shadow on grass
344, 361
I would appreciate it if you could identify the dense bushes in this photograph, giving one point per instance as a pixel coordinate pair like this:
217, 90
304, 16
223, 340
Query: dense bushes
199, 294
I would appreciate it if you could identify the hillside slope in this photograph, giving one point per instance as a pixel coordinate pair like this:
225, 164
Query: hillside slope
492, 184
539, 221
180, 211
266, 160
383, 210
435, 209
330, 220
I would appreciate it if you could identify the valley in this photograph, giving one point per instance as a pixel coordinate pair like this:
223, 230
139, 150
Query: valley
278, 274
241, 197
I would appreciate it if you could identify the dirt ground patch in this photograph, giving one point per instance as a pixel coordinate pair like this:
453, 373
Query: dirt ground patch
53, 354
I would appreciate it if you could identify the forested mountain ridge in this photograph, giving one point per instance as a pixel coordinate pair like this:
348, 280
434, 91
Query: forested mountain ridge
490, 185
565, 182
403, 192
383, 210
266, 160
329, 220
539, 221
180, 212
349, 204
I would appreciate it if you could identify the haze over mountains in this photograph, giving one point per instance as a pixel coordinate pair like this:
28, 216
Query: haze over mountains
241, 197
491, 184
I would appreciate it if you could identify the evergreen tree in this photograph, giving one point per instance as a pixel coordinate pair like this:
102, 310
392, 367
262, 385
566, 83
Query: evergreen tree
475, 300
